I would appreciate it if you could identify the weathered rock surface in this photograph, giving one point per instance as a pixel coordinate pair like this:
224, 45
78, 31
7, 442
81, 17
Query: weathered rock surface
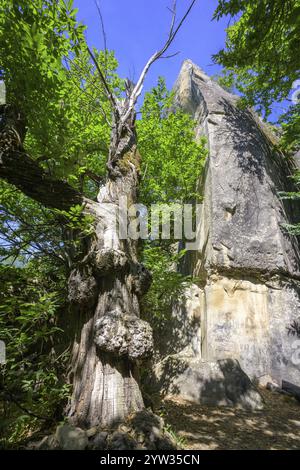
248, 266
141, 431
71, 438
242, 219
219, 383
47, 443
99, 441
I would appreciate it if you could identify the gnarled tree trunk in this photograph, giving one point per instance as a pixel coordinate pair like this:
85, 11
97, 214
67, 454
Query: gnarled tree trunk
104, 291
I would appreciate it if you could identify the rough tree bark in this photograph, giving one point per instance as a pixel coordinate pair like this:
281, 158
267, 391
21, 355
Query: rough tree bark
105, 290
105, 286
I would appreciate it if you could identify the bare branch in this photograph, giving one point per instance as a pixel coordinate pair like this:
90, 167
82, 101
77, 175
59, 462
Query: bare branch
104, 82
157, 55
173, 11
170, 55
103, 33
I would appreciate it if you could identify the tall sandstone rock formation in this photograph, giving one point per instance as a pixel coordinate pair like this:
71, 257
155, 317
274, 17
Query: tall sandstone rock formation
247, 265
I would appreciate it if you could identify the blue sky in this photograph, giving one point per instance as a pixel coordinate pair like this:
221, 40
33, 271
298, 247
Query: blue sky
137, 28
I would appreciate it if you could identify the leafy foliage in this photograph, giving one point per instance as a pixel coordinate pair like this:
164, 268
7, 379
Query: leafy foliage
172, 163
27, 229
33, 379
290, 124
168, 284
49, 77
77, 220
261, 47
172, 160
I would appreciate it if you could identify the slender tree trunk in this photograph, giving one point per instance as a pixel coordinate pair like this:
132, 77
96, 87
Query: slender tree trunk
104, 290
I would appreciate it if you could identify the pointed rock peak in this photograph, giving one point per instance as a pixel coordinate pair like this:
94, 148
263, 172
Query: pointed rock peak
194, 90
189, 68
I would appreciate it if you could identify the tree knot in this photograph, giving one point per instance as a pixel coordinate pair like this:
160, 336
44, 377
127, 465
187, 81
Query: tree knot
124, 334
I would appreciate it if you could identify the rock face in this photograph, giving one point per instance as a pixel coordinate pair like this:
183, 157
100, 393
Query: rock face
220, 383
248, 265
71, 438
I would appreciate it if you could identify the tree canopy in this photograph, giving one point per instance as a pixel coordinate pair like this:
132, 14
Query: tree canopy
261, 56
261, 47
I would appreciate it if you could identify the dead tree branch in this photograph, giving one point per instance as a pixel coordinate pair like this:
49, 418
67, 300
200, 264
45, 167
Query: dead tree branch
157, 55
123, 126
108, 91
103, 34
